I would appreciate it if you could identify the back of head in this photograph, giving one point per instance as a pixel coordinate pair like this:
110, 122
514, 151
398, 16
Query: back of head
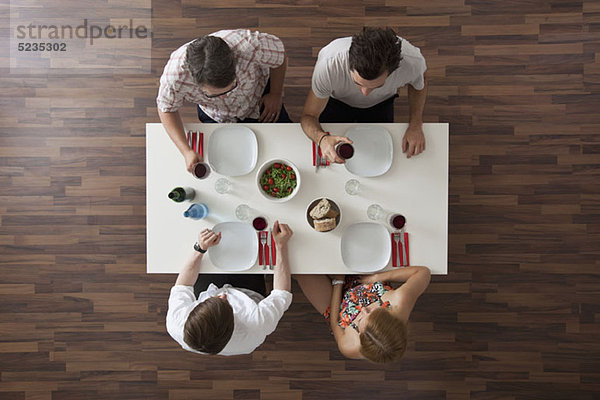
211, 61
375, 51
209, 326
384, 338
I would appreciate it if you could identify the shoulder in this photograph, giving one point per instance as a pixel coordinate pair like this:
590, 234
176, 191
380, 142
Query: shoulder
175, 68
332, 62
245, 39
411, 54
349, 344
335, 50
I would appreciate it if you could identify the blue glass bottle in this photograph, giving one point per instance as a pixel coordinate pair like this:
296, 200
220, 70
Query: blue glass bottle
196, 211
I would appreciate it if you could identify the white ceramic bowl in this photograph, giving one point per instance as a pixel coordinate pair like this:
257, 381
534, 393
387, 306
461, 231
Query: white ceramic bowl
313, 203
268, 164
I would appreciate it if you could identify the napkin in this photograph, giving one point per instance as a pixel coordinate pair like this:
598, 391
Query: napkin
260, 249
314, 155
196, 142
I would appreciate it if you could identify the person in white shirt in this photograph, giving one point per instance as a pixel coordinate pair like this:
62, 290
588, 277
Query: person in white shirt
356, 79
228, 320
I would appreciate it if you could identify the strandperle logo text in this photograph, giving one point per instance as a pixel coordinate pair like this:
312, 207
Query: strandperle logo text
83, 31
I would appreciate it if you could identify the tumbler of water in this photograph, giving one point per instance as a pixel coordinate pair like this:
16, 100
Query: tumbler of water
242, 212
223, 186
352, 187
375, 212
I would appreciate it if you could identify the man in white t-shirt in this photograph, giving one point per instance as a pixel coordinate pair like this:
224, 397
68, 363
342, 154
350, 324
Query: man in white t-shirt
235, 318
356, 79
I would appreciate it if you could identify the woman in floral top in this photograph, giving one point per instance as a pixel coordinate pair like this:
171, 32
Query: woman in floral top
376, 314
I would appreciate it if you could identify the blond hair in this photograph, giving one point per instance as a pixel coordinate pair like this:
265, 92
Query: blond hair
384, 338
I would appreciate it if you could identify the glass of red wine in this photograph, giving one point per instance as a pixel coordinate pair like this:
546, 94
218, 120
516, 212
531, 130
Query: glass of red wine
259, 223
397, 221
344, 150
201, 170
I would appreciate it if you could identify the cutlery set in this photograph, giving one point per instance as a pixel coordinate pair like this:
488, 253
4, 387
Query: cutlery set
196, 142
318, 160
266, 252
400, 249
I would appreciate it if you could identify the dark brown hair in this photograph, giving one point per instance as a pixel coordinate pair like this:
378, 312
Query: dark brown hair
384, 338
375, 51
209, 326
211, 61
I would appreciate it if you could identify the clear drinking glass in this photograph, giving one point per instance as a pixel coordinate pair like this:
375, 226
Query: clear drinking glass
375, 212
223, 186
242, 212
352, 187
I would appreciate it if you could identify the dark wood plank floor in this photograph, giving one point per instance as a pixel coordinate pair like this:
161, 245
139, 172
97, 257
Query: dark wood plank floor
518, 315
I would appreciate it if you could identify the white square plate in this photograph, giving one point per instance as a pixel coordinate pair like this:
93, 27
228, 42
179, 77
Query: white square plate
232, 150
373, 150
366, 247
238, 249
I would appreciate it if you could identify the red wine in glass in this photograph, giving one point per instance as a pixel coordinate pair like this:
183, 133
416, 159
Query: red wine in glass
201, 170
259, 223
397, 221
344, 150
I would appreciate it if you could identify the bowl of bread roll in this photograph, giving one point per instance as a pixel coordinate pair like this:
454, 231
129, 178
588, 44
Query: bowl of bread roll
323, 214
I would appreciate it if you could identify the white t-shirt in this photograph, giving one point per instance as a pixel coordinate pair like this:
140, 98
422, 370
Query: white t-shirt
331, 76
254, 316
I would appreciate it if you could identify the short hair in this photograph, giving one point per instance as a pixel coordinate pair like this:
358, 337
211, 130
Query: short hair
384, 338
211, 61
375, 51
209, 326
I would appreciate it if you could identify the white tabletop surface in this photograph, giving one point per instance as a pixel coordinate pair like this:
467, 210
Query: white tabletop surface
416, 187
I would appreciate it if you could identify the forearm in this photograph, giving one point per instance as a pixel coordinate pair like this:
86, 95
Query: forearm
311, 127
416, 101
174, 126
282, 279
278, 77
400, 274
334, 307
190, 271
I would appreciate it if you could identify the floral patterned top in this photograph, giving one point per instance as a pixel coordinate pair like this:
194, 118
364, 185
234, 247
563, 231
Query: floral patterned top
358, 295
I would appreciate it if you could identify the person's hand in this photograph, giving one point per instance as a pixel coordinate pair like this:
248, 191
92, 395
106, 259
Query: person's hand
191, 158
369, 278
207, 238
272, 107
328, 148
281, 234
339, 277
413, 142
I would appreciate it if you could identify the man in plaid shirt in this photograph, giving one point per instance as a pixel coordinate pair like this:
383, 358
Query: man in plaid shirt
231, 75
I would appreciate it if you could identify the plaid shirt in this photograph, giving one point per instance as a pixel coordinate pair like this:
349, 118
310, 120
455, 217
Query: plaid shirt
255, 54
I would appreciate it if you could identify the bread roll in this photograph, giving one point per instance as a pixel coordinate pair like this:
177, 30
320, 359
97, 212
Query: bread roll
323, 209
324, 225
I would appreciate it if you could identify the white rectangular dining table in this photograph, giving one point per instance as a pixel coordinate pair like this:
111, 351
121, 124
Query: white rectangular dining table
415, 187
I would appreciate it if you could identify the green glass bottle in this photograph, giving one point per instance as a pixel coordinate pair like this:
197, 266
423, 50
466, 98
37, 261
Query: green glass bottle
180, 194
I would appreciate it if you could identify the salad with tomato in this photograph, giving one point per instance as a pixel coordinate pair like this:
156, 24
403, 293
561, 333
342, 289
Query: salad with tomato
279, 180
